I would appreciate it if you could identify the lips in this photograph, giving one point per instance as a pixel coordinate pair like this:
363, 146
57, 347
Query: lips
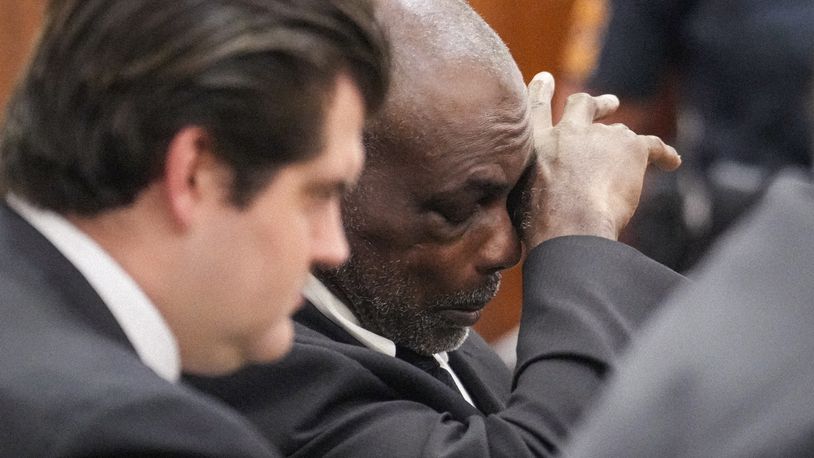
461, 317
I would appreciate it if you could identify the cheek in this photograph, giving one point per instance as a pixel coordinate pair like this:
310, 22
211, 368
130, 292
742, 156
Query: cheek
288, 254
441, 268
274, 252
382, 216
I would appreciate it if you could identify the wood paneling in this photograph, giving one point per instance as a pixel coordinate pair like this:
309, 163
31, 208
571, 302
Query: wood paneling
535, 31
19, 23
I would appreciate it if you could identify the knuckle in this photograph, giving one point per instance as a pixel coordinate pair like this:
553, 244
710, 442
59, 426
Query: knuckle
655, 142
627, 131
566, 125
579, 97
619, 128
622, 132
539, 104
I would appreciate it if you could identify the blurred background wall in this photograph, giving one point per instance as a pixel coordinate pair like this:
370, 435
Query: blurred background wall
19, 22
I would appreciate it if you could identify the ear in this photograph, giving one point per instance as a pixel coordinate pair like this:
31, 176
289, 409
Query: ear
189, 157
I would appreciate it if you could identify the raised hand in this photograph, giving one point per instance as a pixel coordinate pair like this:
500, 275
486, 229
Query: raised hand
589, 175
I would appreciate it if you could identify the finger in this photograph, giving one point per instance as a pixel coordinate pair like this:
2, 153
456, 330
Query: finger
661, 154
605, 104
541, 90
582, 108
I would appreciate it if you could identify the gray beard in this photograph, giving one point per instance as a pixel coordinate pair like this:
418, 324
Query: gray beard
387, 302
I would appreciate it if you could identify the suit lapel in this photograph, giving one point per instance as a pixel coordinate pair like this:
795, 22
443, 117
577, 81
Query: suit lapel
483, 375
312, 318
25, 246
411, 380
487, 384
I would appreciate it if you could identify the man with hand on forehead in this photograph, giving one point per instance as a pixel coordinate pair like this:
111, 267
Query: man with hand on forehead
464, 171
173, 169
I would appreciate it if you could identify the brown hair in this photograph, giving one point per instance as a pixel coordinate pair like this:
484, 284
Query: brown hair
112, 81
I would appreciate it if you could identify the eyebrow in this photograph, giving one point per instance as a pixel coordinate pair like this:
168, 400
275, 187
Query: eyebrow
486, 186
479, 187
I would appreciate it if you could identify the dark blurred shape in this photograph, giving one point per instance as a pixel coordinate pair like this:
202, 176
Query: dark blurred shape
735, 75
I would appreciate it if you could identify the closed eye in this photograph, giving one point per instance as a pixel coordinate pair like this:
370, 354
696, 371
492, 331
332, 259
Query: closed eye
458, 215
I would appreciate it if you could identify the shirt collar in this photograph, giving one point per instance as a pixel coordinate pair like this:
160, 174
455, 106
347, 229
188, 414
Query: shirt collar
140, 320
333, 308
330, 305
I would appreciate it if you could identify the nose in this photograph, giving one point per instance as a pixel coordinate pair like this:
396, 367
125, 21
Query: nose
501, 248
329, 244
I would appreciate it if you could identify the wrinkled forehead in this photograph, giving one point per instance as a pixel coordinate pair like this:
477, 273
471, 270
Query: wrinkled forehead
461, 122
457, 95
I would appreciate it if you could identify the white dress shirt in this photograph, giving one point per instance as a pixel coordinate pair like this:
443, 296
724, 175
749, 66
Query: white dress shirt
330, 305
141, 321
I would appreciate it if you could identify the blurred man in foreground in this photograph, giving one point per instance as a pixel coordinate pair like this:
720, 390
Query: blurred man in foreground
173, 171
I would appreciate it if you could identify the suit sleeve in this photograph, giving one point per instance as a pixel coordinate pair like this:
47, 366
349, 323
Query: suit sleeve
583, 297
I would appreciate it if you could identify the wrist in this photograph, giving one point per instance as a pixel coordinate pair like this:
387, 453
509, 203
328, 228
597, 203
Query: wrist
575, 225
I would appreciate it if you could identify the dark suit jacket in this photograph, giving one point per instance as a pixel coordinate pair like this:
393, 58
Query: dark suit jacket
70, 382
333, 397
727, 369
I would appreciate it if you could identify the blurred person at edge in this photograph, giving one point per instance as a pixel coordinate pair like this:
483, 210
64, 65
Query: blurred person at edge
725, 369
726, 81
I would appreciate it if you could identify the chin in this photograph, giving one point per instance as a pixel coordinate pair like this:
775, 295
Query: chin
275, 343
462, 333
223, 363
265, 347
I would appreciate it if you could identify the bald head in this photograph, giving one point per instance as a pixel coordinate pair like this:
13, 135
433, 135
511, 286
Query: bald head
427, 33
443, 53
